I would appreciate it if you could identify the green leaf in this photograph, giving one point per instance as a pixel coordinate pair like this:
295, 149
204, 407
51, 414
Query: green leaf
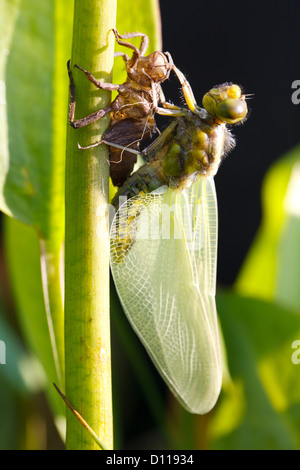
262, 271
22, 254
8, 18
36, 39
9, 416
18, 369
287, 286
34, 70
260, 409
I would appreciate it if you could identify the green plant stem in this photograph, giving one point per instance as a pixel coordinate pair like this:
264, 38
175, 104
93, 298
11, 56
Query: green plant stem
87, 326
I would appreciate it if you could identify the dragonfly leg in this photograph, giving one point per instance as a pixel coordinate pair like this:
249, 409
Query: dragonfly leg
122, 54
170, 110
149, 152
163, 101
158, 96
92, 79
186, 89
111, 144
165, 104
87, 119
170, 59
144, 42
161, 94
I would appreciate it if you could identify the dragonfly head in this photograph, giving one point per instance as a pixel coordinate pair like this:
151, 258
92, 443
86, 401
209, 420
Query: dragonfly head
154, 67
226, 103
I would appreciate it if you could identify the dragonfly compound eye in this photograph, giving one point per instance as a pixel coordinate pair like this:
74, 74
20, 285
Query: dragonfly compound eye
226, 103
209, 103
231, 110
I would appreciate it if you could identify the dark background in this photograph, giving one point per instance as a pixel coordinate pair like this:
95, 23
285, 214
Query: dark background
256, 45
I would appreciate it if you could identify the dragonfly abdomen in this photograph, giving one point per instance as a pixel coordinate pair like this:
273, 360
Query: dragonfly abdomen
146, 179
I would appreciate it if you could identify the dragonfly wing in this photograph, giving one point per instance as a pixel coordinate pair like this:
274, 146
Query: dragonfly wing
164, 268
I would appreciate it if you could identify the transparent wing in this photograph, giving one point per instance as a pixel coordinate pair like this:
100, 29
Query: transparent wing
163, 260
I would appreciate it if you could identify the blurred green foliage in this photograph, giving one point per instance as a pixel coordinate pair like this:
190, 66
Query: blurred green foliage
259, 407
271, 268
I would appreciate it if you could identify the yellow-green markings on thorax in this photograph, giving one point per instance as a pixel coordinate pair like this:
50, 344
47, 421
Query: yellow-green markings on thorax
196, 148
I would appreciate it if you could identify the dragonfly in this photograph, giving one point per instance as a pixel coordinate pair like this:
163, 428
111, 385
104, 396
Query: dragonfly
132, 111
163, 250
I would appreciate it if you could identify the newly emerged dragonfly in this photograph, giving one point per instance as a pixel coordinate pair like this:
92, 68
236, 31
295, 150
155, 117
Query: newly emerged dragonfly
164, 244
132, 112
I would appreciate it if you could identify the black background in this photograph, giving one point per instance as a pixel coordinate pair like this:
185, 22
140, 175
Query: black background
256, 45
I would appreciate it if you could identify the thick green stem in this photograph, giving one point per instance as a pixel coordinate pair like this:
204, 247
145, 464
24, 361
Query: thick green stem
87, 326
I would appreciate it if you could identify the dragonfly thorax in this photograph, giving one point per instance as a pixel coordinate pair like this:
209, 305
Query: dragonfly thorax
195, 149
